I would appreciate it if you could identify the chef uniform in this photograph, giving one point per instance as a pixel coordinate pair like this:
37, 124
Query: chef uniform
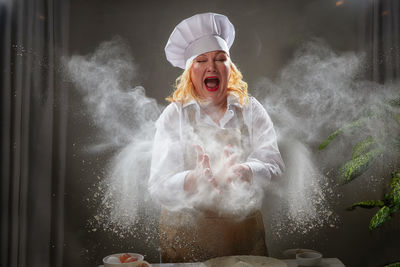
185, 235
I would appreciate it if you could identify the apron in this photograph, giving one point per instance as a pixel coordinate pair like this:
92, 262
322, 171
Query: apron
189, 237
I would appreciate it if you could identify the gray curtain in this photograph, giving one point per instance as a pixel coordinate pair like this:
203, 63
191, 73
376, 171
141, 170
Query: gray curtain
33, 126
383, 37
33, 120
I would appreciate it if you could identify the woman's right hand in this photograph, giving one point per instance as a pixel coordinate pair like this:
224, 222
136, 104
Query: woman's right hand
231, 171
202, 174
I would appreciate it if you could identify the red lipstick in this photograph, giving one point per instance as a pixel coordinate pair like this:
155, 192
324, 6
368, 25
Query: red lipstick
211, 83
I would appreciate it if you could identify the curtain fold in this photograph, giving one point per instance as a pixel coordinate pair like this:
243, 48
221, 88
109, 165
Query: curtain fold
383, 38
33, 119
33, 126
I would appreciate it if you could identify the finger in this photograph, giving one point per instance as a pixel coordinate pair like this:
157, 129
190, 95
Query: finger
207, 172
242, 172
231, 160
226, 152
237, 168
238, 175
214, 182
200, 154
200, 159
206, 162
199, 149
234, 175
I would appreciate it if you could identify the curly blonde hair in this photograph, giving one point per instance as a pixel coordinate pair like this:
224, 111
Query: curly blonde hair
185, 91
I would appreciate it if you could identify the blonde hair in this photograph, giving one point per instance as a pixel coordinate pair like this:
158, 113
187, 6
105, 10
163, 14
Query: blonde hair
185, 91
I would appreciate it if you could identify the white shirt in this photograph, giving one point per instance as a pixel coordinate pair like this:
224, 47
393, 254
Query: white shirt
168, 172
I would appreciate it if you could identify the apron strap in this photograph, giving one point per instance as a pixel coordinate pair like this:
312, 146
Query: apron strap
244, 131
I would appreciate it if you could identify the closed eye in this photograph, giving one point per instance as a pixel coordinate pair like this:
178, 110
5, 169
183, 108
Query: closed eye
201, 59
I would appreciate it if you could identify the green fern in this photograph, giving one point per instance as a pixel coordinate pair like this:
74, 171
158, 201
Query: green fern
380, 217
394, 102
397, 118
357, 166
395, 264
367, 204
366, 151
389, 205
351, 126
363, 146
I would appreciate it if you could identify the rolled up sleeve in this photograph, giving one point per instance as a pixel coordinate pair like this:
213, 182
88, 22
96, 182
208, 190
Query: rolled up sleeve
167, 174
265, 160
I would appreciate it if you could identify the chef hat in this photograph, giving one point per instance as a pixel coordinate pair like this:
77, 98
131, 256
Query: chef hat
199, 34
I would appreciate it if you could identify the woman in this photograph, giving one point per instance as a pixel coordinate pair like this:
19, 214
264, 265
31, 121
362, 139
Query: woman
214, 151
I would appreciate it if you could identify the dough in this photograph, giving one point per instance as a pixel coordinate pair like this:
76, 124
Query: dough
244, 261
242, 264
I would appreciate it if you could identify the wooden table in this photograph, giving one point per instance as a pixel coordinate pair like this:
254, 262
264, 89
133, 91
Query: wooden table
326, 262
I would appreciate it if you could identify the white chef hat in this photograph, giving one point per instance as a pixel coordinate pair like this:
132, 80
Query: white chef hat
199, 34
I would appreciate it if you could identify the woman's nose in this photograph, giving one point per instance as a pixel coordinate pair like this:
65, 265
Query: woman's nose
211, 66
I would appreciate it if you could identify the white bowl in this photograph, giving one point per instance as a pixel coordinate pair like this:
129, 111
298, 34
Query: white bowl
309, 258
291, 253
128, 264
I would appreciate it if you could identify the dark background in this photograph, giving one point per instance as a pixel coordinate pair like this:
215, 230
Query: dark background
47, 169
267, 34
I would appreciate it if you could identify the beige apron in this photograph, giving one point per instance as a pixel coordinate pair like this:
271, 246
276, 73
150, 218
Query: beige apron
188, 237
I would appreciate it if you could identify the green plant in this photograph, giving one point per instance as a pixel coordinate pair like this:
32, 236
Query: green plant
388, 206
382, 141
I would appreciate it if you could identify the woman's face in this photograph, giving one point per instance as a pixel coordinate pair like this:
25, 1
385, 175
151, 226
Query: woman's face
210, 75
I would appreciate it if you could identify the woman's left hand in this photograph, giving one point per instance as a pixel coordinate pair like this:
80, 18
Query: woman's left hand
240, 172
232, 171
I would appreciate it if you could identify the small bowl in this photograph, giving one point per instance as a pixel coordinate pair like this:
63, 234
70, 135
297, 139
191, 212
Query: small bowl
128, 264
309, 258
291, 253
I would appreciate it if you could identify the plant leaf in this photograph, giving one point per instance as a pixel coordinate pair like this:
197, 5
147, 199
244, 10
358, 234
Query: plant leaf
396, 191
392, 199
388, 199
357, 166
397, 116
367, 204
327, 141
380, 217
395, 180
394, 102
363, 146
355, 124
394, 264
394, 209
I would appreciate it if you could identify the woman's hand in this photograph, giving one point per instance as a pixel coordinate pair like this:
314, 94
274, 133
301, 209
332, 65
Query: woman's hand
229, 172
232, 171
201, 174
241, 172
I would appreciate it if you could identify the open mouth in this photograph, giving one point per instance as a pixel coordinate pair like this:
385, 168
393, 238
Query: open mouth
211, 83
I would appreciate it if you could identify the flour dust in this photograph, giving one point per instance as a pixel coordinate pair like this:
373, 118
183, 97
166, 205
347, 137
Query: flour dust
316, 92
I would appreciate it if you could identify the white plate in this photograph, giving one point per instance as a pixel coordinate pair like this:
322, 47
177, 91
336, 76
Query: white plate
291, 253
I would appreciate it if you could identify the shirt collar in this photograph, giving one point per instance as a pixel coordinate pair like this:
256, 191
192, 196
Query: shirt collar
191, 102
232, 100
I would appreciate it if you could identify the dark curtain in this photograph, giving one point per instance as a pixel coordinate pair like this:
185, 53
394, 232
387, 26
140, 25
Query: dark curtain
33, 120
383, 38
33, 126
382, 46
